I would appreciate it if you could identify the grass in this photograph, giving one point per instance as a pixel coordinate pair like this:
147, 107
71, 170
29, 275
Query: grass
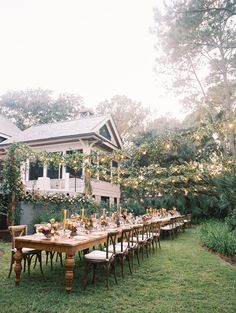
181, 277
216, 235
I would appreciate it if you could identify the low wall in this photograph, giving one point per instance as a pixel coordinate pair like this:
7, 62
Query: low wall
28, 213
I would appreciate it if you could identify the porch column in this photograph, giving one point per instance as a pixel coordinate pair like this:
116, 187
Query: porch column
45, 170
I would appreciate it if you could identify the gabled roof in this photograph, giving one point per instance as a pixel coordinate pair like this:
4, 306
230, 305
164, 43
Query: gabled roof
7, 128
85, 126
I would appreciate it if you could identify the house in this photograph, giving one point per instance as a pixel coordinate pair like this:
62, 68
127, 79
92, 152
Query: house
7, 130
86, 134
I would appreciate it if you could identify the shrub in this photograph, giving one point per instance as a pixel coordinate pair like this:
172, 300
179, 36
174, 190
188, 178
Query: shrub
231, 221
216, 235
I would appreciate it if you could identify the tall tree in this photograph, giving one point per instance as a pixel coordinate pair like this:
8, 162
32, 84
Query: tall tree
196, 42
128, 115
163, 124
38, 106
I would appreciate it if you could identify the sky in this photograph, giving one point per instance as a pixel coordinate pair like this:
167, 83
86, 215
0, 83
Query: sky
94, 48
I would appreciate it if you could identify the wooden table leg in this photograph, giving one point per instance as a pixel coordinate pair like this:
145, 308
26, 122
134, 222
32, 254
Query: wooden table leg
18, 267
70, 263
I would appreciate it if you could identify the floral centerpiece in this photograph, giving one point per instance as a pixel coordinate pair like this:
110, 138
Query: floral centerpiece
51, 229
146, 217
72, 226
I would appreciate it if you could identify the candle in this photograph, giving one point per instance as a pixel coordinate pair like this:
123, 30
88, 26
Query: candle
64, 219
82, 215
120, 210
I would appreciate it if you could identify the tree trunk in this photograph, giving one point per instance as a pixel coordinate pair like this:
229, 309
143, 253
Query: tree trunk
228, 106
12, 209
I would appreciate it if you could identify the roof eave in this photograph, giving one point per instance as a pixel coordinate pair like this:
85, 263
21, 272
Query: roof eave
39, 142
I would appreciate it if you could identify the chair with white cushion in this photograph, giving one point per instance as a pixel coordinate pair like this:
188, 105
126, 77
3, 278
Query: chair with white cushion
28, 254
180, 223
122, 249
105, 258
134, 244
144, 238
187, 220
156, 233
170, 229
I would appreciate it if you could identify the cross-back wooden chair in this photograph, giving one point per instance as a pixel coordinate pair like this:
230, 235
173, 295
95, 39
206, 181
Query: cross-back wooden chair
187, 220
144, 238
179, 223
122, 249
27, 253
156, 233
134, 244
170, 229
105, 258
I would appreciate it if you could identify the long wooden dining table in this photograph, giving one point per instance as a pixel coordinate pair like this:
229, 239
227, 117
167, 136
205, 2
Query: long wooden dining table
70, 246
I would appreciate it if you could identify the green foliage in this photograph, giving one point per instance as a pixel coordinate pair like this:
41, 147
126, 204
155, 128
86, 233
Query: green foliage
134, 206
231, 221
226, 187
216, 235
44, 214
44, 211
11, 186
201, 206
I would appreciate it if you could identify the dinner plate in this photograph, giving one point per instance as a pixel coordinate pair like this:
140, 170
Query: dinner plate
80, 237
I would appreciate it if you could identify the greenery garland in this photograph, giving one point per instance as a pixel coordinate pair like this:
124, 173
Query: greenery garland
144, 170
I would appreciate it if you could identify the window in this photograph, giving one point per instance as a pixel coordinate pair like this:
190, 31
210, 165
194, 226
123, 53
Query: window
2, 139
74, 173
54, 172
103, 131
114, 164
35, 170
105, 200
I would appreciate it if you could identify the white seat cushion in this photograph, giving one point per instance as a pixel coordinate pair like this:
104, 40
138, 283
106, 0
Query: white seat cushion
141, 238
98, 255
168, 227
26, 250
118, 248
131, 245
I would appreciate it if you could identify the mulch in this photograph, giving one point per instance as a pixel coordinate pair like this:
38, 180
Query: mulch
229, 259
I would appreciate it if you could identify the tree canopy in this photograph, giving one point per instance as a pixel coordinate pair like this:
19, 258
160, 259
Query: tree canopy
196, 45
38, 106
128, 115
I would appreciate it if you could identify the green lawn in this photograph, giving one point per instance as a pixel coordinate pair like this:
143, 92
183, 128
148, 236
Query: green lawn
181, 277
